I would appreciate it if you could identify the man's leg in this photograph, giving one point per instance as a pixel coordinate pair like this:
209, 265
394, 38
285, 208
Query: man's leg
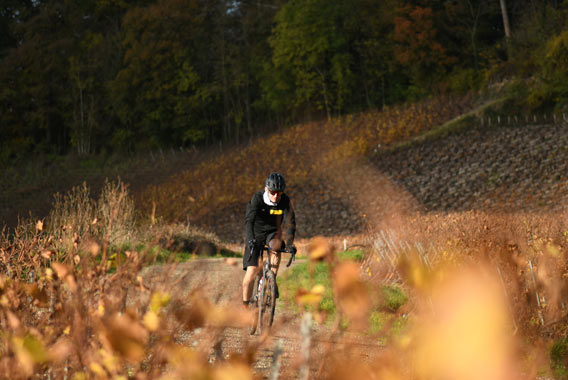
248, 281
275, 245
275, 257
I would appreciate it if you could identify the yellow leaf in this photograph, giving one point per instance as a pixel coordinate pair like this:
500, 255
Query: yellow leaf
101, 310
303, 297
553, 250
97, 369
318, 289
151, 321
29, 351
159, 301
48, 274
79, 376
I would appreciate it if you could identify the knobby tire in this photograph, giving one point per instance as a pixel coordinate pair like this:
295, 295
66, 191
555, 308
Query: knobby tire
254, 299
267, 302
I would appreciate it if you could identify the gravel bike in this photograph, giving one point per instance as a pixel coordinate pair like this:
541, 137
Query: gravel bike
264, 291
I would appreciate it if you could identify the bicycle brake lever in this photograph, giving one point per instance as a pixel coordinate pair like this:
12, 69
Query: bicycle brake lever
292, 257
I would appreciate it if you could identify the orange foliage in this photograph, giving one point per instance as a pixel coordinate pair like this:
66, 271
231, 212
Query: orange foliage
299, 152
415, 35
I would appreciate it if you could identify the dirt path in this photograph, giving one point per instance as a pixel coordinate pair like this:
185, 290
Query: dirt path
220, 281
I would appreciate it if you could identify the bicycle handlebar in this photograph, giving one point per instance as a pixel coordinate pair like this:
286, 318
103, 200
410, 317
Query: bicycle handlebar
285, 250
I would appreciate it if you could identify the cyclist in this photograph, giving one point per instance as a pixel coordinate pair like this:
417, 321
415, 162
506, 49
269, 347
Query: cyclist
267, 212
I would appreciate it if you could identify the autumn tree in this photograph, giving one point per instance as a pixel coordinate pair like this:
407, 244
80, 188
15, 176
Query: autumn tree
417, 45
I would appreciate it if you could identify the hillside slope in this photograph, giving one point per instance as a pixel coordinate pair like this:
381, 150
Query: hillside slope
507, 169
332, 186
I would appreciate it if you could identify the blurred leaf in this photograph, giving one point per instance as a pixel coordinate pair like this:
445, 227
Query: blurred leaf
415, 272
61, 349
29, 351
187, 363
13, 321
553, 250
38, 294
159, 301
61, 270
46, 253
312, 297
126, 336
4, 281
97, 369
79, 376
467, 335
65, 274
319, 248
109, 361
351, 292
48, 274
151, 321
233, 371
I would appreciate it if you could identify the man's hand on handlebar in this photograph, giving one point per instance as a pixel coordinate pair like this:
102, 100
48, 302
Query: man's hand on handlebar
292, 250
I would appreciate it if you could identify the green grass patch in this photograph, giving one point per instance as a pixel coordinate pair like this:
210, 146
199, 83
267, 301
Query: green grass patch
378, 320
558, 361
355, 255
305, 275
393, 297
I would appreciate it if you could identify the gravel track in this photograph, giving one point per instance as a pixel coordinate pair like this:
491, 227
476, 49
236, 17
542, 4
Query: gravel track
220, 280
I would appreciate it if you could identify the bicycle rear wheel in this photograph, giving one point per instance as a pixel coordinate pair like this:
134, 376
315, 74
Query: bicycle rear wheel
254, 303
267, 302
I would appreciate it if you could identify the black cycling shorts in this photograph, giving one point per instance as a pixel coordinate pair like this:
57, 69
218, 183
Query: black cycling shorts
261, 241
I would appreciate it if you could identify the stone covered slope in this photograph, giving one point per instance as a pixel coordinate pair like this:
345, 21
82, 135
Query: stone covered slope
509, 169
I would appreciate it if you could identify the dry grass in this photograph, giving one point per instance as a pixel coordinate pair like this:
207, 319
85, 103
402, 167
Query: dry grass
513, 265
473, 281
110, 219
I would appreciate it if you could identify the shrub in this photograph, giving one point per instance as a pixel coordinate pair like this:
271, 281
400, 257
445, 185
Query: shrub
76, 216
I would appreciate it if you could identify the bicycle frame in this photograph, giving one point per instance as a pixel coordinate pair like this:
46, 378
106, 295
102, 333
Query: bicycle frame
263, 296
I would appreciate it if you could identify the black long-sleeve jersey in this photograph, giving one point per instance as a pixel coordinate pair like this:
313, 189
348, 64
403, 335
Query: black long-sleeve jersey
262, 219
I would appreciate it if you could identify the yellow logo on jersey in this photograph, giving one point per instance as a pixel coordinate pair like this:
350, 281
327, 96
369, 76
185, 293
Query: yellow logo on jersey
276, 212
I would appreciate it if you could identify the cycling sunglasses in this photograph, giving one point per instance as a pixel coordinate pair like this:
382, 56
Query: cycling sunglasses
272, 192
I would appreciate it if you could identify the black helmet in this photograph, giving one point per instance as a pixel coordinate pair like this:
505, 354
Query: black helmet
275, 182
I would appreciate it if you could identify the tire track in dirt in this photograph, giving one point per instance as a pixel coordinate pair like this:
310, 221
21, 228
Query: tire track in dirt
221, 283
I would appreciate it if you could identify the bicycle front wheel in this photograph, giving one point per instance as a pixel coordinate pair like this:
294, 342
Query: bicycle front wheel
267, 302
254, 303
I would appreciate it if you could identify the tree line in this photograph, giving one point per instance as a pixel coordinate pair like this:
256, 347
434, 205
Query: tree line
92, 76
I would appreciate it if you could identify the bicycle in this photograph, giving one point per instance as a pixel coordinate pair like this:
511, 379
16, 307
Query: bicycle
264, 292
